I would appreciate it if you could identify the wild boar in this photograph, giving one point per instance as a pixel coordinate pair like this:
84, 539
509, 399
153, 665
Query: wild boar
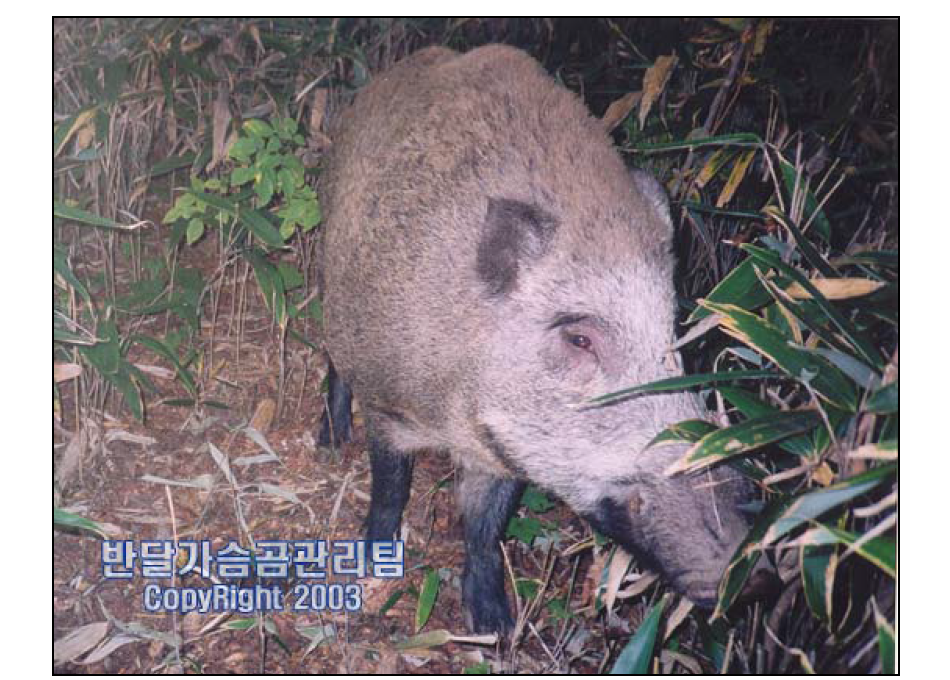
489, 266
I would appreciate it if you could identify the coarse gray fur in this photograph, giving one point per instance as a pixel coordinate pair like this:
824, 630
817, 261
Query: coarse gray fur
490, 265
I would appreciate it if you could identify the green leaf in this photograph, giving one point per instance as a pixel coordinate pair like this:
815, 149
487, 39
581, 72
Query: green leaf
766, 339
881, 551
744, 437
740, 287
868, 351
243, 148
742, 139
858, 371
884, 400
636, 656
746, 556
258, 128
480, 668
171, 163
164, 351
122, 381
265, 187
286, 128
430, 590
241, 176
684, 383
104, 355
61, 267
195, 230
113, 75
287, 181
818, 566
222, 204
71, 521
271, 285
66, 212
751, 407
261, 227
525, 529
535, 500
811, 505
689, 431
820, 222
290, 275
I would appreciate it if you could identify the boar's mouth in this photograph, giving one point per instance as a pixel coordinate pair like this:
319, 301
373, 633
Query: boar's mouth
615, 519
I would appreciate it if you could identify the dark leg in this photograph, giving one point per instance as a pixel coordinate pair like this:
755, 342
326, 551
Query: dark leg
392, 478
487, 503
337, 420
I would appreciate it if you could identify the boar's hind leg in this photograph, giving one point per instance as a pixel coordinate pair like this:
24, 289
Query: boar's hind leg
392, 478
487, 503
337, 419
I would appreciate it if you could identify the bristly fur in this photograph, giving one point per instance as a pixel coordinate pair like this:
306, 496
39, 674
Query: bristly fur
478, 218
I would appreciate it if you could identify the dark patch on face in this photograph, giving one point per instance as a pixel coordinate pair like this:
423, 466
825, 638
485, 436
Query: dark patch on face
487, 437
613, 519
514, 232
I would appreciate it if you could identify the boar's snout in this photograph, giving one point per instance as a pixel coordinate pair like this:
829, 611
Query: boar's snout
687, 528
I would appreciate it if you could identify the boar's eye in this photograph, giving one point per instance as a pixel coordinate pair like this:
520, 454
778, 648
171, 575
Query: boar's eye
579, 341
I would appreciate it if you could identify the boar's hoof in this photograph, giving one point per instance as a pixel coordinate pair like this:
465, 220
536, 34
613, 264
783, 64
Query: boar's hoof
488, 614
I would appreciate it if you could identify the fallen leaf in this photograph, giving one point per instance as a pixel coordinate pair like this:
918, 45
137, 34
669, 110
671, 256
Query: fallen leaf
654, 80
620, 109
79, 641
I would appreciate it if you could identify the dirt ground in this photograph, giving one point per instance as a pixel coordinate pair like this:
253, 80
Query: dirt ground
160, 480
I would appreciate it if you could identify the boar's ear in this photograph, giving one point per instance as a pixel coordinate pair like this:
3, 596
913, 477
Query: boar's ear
654, 192
515, 233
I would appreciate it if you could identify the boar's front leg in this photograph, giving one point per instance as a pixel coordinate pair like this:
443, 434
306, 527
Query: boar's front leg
392, 479
487, 503
337, 421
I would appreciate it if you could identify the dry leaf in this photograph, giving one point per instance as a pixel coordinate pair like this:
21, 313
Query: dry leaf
654, 80
64, 372
72, 457
263, 415
79, 641
221, 119
618, 569
83, 122
318, 108
823, 474
735, 178
835, 289
108, 647
620, 109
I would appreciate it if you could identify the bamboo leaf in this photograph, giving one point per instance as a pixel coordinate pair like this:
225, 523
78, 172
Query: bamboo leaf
867, 350
430, 590
818, 566
885, 400
685, 382
768, 340
740, 287
747, 436
752, 407
67, 212
685, 431
636, 657
813, 504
